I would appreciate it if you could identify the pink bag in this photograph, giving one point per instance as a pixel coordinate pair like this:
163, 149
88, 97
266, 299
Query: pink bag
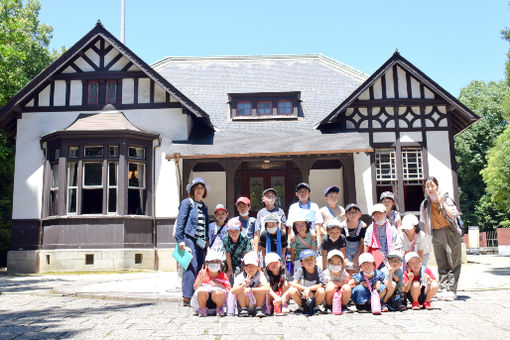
231, 304
337, 302
375, 300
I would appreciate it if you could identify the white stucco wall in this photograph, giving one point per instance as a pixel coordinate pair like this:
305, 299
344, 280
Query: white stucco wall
323, 178
28, 177
217, 180
363, 181
438, 153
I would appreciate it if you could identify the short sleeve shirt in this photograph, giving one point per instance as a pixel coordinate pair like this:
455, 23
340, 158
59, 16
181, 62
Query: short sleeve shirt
336, 279
264, 212
307, 279
420, 244
356, 234
272, 239
398, 273
328, 213
255, 281
418, 277
378, 276
328, 245
236, 250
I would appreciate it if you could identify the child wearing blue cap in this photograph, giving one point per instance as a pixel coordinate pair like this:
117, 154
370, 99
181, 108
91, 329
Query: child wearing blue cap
308, 286
331, 209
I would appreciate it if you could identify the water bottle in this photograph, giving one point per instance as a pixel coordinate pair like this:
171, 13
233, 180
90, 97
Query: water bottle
231, 304
337, 302
290, 265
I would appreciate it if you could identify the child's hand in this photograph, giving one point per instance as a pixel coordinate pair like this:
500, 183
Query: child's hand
201, 274
378, 286
410, 276
306, 293
246, 282
230, 273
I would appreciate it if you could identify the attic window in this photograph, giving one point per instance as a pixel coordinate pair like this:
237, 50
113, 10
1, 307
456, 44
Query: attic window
264, 105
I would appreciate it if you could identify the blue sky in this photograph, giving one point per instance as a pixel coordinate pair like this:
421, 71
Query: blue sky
452, 41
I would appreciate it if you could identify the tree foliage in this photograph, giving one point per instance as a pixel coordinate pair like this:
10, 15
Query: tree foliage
489, 101
23, 54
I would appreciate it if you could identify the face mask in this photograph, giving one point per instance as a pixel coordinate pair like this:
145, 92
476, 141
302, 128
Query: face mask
433, 196
369, 273
214, 267
335, 269
381, 222
272, 230
244, 214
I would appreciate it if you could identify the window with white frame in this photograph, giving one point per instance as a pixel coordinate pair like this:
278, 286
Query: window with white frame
53, 202
136, 188
412, 165
92, 188
113, 174
385, 166
72, 186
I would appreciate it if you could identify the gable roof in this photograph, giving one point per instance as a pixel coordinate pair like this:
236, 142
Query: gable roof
8, 113
321, 81
463, 117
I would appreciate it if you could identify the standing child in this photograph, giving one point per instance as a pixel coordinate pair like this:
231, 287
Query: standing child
301, 239
218, 228
354, 231
250, 287
394, 282
365, 281
333, 240
279, 285
248, 224
273, 239
381, 237
387, 199
269, 199
308, 286
310, 209
337, 279
235, 246
331, 209
420, 283
211, 286
414, 239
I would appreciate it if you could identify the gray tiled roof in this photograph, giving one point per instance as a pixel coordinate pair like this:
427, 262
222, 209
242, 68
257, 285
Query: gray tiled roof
324, 83
104, 121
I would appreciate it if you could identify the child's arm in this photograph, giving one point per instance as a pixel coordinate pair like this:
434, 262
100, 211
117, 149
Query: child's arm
407, 286
315, 287
343, 252
260, 289
230, 270
324, 258
199, 279
263, 252
297, 285
284, 251
353, 283
292, 254
314, 241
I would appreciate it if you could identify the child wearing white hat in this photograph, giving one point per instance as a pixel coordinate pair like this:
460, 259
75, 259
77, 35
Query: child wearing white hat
414, 239
337, 278
368, 275
420, 283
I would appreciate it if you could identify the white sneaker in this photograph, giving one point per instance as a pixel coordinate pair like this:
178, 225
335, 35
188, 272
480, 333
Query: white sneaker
451, 296
441, 296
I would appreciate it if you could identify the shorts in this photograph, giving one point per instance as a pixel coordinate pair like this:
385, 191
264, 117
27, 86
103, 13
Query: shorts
421, 298
361, 295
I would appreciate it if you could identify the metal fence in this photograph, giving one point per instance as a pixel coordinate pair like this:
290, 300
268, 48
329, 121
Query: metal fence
492, 242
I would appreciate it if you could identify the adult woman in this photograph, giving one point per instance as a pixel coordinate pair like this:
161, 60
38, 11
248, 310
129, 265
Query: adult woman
439, 214
191, 232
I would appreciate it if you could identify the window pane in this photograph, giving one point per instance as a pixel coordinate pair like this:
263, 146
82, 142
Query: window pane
264, 108
412, 164
385, 166
285, 107
136, 201
73, 152
136, 175
92, 201
93, 89
112, 173
54, 176
93, 151
73, 174
71, 201
112, 200
278, 182
113, 151
92, 173
136, 153
244, 109
256, 188
111, 92
53, 203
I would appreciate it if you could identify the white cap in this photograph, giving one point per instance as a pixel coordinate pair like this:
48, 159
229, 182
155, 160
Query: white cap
411, 255
379, 207
333, 223
394, 253
213, 256
251, 258
365, 257
272, 257
409, 221
335, 252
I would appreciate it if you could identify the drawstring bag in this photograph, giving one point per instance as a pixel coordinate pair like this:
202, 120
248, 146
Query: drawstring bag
375, 300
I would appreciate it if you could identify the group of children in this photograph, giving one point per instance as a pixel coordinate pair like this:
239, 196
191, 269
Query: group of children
323, 259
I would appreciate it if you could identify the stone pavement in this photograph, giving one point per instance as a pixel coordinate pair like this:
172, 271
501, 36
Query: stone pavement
126, 306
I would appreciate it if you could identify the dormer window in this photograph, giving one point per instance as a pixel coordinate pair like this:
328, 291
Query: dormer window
101, 92
264, 105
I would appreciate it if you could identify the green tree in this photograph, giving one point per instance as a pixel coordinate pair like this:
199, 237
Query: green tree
23, 54
488, 100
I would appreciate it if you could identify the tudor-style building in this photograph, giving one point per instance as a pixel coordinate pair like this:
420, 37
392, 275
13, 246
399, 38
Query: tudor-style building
105, 144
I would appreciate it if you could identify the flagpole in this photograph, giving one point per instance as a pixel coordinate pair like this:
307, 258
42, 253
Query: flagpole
122, 15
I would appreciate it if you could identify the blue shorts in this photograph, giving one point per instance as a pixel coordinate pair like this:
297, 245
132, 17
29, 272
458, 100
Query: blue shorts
361, 295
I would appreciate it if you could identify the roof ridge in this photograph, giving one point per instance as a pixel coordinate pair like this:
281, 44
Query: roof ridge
355, 73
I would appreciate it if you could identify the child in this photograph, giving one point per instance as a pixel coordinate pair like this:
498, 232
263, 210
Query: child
248, 224
235, 245
361, 294
387, 199
331, 209
394, 282
381, 237
414, 239
337, 278
211, 286
218, 229
250, 287
304, 205
269, 198
308, 286
301, 239
354, 230
420, 283
279, 285
273, 239
333, 240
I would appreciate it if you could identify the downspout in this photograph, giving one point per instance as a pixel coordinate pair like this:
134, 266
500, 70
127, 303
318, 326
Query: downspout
154, 221
44, 148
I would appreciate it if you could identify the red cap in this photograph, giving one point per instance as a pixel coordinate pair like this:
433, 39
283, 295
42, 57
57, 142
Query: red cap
244, 200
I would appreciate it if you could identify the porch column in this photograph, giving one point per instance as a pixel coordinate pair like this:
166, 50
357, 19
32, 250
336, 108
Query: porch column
348, 179
305, 165
230, 167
